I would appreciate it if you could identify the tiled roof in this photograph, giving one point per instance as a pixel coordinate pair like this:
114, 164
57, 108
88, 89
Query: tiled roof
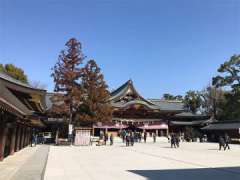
14, 81
168, 105
11, 91
223, 126
122, 105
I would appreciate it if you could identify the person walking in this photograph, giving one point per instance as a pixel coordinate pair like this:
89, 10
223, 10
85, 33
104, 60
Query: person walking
177, 139
105, 138
111, 139
124, 136
173, 141
221, 143
132, 138
227, 141
154, 137
140, 137
145, 136
127, 138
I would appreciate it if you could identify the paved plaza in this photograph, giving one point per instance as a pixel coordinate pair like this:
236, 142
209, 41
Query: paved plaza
27, 164
192, 161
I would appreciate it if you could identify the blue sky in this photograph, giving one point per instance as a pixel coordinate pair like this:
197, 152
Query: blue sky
164, 46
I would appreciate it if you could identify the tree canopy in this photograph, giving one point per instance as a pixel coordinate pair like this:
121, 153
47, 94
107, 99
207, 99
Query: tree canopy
82, 89
168, 96
192, 101
213, 100
230, 77
94, 106
14, 71
67, 74
230, 71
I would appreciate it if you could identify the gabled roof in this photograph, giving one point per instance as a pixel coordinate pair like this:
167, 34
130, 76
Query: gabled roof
8, 78
123, 90
155, 104
11, 91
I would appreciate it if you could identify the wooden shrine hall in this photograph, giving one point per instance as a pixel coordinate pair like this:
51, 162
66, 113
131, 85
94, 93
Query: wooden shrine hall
21, 108
131, 110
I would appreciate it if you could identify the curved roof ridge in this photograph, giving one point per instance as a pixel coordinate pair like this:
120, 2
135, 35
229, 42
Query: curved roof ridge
10, 79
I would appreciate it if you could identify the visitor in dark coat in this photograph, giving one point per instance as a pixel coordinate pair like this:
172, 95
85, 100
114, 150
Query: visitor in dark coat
139, 136
106, 138
177, 140
173, 141
132, 138
154, 137
145, 137
221, 143
127, 138
111, 139
227, 141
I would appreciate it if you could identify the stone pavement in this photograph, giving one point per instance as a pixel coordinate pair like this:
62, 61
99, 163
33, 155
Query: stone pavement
27, 164
192, 161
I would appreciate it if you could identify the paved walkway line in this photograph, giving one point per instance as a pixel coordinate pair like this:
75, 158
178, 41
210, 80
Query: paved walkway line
34, 168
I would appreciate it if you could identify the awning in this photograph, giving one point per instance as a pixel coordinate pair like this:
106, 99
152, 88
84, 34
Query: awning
191, 123
154, 126
114, 126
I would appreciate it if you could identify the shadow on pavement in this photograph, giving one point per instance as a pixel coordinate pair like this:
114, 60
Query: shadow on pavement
225, 173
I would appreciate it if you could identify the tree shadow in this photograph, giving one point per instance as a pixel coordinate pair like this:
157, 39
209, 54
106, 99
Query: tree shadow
225, 173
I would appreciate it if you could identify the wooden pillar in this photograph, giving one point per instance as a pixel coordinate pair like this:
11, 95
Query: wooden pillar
13, 140
18, 138
25, 137
3, 136
28, 136
22, 137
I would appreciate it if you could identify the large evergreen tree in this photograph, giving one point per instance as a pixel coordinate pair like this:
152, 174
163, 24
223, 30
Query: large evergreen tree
66, 75
95, 106
230, 77
230, 71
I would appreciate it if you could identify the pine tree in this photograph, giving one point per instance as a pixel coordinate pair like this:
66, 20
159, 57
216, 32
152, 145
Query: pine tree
95, 106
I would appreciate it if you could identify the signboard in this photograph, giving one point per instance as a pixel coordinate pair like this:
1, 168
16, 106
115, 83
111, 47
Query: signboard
82, 137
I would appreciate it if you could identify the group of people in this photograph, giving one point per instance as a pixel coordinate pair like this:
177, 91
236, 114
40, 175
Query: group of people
129, 137
105, 137
224, 142
175, 140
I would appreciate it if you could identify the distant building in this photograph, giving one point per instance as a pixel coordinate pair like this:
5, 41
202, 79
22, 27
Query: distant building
132, 111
